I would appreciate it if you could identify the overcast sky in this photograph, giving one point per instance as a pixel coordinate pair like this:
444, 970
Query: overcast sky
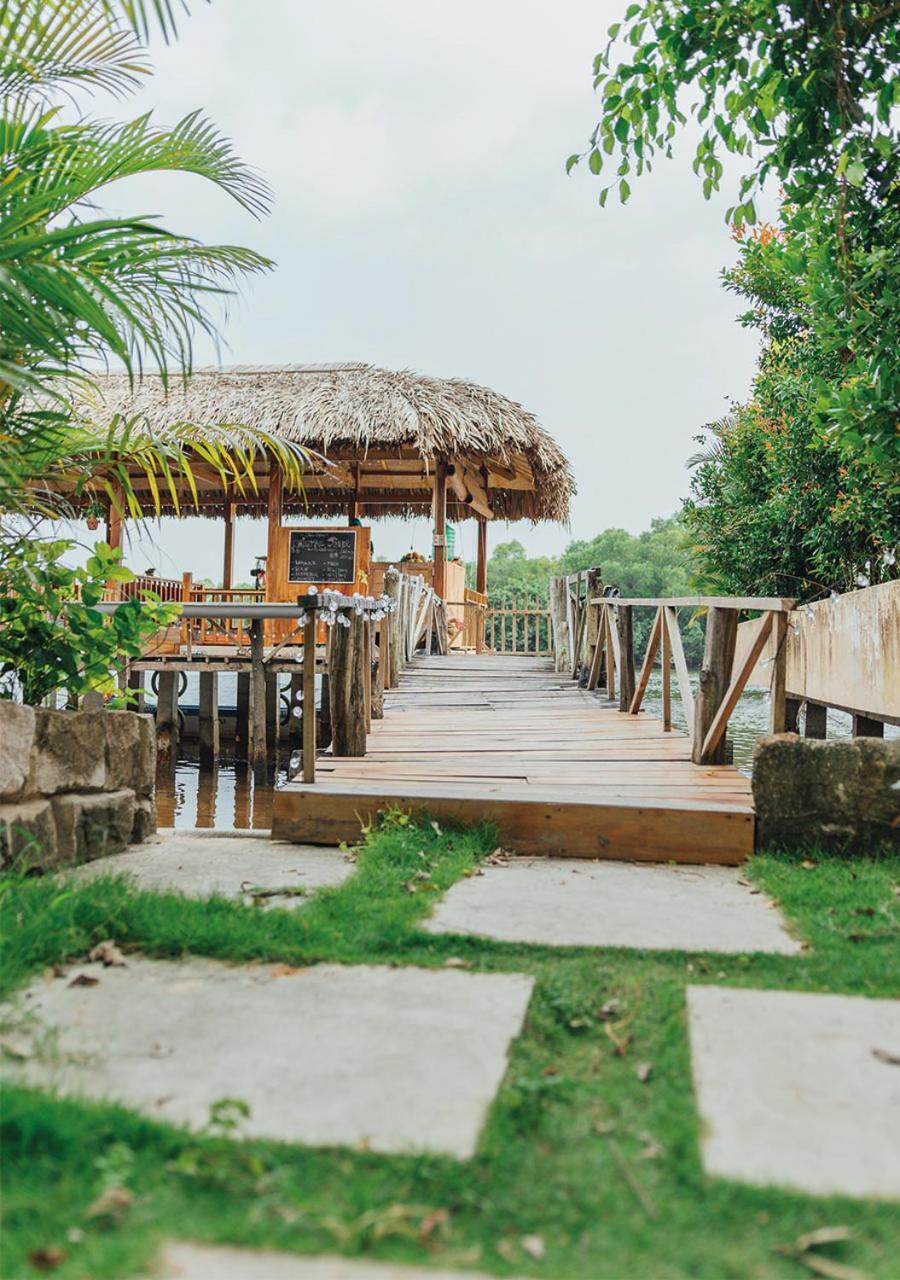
423, 220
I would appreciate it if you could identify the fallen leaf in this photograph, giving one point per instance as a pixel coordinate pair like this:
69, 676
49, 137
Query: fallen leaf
822, 1235
84, 980
114, 1203
456, 962
651, 1149
892, 1059
620, 1042
20, 1051
433, 1222
608, 1010
47, 1259
643, 1070
436, 829
808, 864
830, 1269
284, 970
108, 954
550, 1071
534, 1246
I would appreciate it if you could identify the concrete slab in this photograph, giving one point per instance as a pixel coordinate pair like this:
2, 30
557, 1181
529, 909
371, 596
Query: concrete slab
563, 902
798, 1089
199, 864
209, 1262
395, 1060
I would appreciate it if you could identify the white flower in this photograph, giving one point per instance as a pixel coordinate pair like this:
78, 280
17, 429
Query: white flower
890, 556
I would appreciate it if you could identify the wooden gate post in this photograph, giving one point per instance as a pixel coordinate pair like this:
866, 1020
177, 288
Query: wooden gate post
392, 586
208, 728
715, 677
167, 715
256, 745
346, 679
625, 627
309, 698
379, 659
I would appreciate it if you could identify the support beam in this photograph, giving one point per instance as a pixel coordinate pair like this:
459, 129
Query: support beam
625, 628
272, 709
439, 514
481, 563
167, 716
208, 728
256, 745
275, 505
309, 699
866, 727
816, 721
228, 556
777, 691
715, 680
114, 517
242, 709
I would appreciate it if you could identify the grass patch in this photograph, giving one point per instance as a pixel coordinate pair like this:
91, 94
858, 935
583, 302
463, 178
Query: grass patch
579, 1151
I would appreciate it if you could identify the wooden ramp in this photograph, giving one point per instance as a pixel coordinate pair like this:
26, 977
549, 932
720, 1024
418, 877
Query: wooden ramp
510, 740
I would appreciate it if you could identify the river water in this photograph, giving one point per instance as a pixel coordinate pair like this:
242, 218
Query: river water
229, 797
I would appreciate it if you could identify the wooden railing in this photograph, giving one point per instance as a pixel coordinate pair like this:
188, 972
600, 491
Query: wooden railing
519, 626
595, 640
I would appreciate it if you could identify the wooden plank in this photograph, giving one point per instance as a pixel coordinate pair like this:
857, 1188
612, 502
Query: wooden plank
329, 813
715, 678
681, 669
716, 730
777, 692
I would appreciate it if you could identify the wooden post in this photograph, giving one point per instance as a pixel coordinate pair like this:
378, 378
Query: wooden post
365, 639
816, 721
666, 659
481, 562
228, 558
439, 511
393, 588
866, 727
625, 627
208, 728
275, 502
777, 695
114, 516
715, 677
295, 696
309, 698
378, 678
273, 710
242, 709
136, 687
167, 715
256, 745
346, 677
792, 714
323, 720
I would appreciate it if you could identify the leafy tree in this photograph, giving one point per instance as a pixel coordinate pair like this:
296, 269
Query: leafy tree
806, 93
512, 574
53, 636
78, 285
776, 507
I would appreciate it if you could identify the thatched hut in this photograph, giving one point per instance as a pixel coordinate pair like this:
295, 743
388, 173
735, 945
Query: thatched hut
382, 443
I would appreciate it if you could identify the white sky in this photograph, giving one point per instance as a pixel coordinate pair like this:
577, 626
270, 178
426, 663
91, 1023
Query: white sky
423, 220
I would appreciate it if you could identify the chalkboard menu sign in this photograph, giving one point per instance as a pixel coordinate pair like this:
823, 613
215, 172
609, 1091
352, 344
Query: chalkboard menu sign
322, 555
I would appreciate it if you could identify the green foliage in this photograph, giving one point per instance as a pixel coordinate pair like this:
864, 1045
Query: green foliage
52, 636
513, 574
806, 93
79, 286
777, 506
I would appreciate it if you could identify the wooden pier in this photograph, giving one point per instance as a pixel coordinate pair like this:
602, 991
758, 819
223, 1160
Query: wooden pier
512, 741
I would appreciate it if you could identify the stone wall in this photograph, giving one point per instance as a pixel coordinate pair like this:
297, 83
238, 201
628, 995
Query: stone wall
74, 785
842, 795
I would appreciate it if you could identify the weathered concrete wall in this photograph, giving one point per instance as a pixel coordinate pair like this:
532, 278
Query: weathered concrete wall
74, 785
842, 795
843, 652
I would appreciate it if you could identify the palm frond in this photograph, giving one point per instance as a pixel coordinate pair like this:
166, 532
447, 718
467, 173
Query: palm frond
48, 45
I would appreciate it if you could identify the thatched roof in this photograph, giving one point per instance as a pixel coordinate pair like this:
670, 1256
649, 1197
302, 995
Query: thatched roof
381, 434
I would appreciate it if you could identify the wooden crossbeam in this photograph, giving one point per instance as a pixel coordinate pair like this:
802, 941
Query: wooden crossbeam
681, 668
720, 720
646, 669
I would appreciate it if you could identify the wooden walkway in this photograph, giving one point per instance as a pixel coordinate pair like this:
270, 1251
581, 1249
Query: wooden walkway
510, 740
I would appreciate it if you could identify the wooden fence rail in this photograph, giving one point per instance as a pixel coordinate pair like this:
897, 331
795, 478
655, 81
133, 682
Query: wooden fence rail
519, 626
594, 635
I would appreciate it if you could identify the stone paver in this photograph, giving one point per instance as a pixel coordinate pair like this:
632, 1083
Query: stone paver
570, 902
198, 865
397, 1060
207, 1262
794, 1089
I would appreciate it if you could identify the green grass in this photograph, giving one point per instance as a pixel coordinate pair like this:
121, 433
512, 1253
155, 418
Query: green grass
603, 1167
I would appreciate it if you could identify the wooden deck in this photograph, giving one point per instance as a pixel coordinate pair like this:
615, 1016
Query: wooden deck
560, 773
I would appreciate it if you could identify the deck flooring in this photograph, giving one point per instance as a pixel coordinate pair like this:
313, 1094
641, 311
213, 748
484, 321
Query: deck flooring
558, 770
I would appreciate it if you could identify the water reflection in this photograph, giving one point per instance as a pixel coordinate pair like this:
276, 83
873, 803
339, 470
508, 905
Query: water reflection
225, 796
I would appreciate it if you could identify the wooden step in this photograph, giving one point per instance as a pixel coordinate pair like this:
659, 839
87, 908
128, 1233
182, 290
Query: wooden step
530, 820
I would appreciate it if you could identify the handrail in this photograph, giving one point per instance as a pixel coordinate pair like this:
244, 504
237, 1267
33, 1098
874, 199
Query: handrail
772, 604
